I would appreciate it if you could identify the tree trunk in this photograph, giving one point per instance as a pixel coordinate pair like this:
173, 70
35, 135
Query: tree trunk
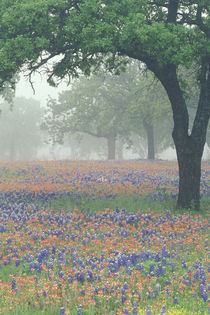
189, 160
150, 140
111, 141
189, 148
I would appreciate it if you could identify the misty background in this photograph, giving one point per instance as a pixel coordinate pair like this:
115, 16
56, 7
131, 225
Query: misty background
23, 139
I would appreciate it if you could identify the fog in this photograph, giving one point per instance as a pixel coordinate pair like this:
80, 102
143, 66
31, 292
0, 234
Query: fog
41, 88
22, 138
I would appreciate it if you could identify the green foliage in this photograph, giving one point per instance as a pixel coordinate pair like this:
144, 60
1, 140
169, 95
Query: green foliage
81, 32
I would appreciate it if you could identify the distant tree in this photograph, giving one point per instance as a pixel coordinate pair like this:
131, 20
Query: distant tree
150, 108
166, 35
85, 147
20, 129
111, 107
95, 106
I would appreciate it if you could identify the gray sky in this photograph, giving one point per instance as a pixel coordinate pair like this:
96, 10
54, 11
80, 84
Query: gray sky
42, 89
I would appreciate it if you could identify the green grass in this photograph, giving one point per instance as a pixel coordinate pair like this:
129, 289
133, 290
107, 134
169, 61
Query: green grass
130, 203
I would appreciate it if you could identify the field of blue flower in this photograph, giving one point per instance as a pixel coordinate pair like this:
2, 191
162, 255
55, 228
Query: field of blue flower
100, 238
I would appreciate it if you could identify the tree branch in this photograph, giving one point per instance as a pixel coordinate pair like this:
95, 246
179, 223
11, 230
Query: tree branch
197, 21
203, 111
172, 11
159, 4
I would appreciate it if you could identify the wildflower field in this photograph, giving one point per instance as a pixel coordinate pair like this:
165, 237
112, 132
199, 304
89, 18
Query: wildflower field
97, 237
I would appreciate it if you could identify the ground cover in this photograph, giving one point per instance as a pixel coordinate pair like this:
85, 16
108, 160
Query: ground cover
100, 238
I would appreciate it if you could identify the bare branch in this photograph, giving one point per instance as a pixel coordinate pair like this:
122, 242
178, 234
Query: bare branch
31, 83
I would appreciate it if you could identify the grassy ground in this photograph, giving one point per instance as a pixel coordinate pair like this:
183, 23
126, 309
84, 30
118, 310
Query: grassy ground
129, 203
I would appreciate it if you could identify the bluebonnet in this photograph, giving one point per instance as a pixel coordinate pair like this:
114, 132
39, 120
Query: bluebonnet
44, 293
125, 286
148, 311
14, 284
17, 262
80, 277
79, 310
140, 267
203, 292
157, 257
175, 301
151, 267
89, 276
123, 298
160, 270
50, 265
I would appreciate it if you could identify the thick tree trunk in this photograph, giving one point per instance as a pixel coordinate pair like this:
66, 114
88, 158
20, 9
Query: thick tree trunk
111, 142
150, 140
189, 148
189, 160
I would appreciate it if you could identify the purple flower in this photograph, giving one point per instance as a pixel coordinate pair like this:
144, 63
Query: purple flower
62, 311
123, 298
149, 311
175, 301
70, 279
14, 284
151, 267
125, 286
89, 276
79, 310
44, 293
203, 292
83, 292
125, 311
17, 262
80, 277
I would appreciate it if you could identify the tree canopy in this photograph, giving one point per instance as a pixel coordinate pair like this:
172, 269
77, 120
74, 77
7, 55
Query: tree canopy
79, 32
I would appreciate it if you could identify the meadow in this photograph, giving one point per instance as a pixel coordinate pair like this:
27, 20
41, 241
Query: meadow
85, 238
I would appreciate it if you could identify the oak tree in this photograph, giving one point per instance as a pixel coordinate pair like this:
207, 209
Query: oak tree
84, 34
